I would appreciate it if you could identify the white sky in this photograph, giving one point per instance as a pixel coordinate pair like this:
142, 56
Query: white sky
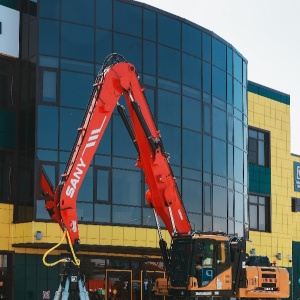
265, 32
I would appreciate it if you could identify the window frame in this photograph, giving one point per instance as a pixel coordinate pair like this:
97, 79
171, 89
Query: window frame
267, 146
267, 217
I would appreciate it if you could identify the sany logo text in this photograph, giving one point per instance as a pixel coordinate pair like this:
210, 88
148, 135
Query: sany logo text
77, 173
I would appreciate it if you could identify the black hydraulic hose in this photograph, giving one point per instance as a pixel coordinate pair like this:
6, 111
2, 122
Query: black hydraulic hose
146, 129
121, 111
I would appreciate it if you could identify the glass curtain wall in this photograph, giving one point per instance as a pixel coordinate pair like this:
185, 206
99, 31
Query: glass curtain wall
196, 87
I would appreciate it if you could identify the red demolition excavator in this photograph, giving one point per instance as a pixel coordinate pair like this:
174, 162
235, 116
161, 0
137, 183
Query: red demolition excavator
197, 264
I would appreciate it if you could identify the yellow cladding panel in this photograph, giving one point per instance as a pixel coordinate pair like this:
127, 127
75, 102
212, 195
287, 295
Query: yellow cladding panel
6, 213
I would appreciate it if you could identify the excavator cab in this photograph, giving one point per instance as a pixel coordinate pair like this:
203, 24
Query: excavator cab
200, 256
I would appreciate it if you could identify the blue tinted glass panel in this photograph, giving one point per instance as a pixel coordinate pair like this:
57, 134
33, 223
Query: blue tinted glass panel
103, 180
238, 162
130, 48
126, 215
206, 77
219, 123
218, 54
49, 86
49, 37
86, 191
124, 12
85, 212
169, 31
77, 41
219, 201
230, 128
49, 8
207, 198
76, 65
191, 71
82, 11
41, 212
230, 160
191, 149
47, 132
104, 14
169, 63
192, 195
102, 213
172, 142
238, 95
126, 187
149, 21
149, 58
122, 144
207, 163
50, 171
237, 67
207, 118
229, 89
148, 217
103, 44
191, 40
219, 157
191, 114
75, 89
169, 107
47, 61
48, 155
238, 133
239, 207
70, 120
229, 61
206, 47
219, 83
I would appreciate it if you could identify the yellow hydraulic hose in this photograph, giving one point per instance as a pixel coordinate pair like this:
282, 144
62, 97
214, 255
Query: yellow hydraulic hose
76, 260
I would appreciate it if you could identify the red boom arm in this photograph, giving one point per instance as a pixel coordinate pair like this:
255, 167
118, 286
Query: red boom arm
114, 80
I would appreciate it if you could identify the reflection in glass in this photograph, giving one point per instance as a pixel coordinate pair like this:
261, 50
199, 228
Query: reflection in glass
169, 32
169, 107
126, 187
191, 114
81, 12
77, 42
191, 40
191, 71
169, 68
149, 18
47, 134
129, 215
103, 183
84, 212
219, 123
218, 54
192, 195
130, 12
102, 213
219, 158
49, 37
191, 149
49, 86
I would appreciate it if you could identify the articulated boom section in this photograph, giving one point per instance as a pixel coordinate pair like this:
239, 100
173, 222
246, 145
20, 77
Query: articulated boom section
115, 79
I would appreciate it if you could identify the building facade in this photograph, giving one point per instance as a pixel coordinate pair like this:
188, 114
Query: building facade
273, 181
196, 86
